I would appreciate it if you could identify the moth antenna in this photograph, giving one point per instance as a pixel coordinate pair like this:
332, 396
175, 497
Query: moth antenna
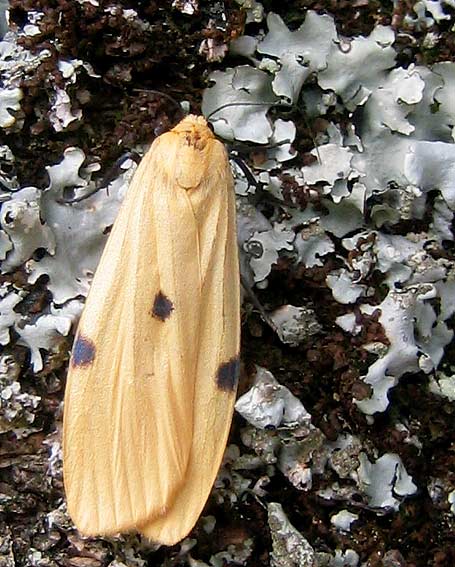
166, 96
279, 103
264, 103
108, 177
228, 104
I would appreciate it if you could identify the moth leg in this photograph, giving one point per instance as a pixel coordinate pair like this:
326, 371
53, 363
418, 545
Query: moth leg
255, 301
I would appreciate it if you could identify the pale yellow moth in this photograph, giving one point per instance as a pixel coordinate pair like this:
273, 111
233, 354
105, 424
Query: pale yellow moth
153, 372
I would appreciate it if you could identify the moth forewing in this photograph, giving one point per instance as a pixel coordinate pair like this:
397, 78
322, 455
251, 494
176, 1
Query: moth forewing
153, 373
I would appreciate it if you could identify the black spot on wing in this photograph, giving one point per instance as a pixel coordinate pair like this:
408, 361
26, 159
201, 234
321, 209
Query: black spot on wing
162, 307
228, 374
83, 352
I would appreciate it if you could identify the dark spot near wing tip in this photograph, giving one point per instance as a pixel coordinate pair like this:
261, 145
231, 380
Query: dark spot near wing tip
162, 307
83, 352
228, 374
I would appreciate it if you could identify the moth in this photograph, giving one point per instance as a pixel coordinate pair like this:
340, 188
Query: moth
154, 367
